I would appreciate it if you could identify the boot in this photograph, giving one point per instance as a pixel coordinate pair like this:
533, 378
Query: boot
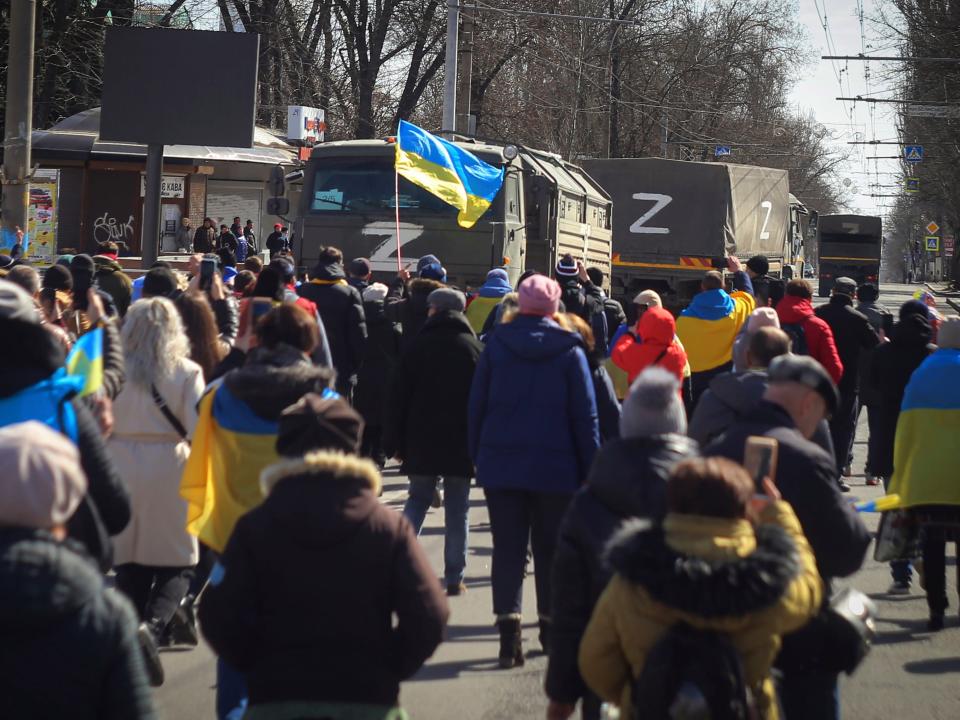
182, 629
147, 636
511, 649
545, 636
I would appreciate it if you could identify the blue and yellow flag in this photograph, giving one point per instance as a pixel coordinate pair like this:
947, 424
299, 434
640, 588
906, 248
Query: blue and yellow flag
86, 360
454, 175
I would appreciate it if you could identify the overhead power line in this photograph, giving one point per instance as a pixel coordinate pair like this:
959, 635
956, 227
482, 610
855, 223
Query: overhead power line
890, 58
944, 103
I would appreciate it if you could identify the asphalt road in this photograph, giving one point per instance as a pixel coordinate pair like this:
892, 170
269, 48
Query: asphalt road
909, 674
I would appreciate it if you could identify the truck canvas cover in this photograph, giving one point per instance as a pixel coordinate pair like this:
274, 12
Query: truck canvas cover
668, 209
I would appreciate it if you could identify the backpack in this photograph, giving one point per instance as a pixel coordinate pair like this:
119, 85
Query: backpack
798, 337
692, 675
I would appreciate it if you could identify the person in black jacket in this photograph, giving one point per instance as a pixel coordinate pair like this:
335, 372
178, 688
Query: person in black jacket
323, 596
853, 334
580, 296
31, 359
205, 239
341, 310
757, 268
627, 479
799, 395
427, 423
612, 309
380, 358
407, 300
69, 644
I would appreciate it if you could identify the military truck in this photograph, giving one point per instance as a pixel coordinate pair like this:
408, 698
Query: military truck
546, 207
674, 220
849, 246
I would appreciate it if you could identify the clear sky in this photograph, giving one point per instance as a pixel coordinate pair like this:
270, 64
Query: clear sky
819, 87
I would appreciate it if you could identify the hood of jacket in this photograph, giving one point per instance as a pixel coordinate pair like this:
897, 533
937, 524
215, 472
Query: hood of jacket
629, 475
43, 580
533, 337
792, 309
321, 498
657, 327
105, 263
642, 553
272, 380
448, 323
495, 287
424, 286
740, 391
329, 273
912, 331
710, 305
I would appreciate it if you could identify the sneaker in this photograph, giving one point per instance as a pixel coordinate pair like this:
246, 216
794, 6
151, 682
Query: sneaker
872, 480
847, 470
151, 657
844, 488
899, 587
182, 629
455, 590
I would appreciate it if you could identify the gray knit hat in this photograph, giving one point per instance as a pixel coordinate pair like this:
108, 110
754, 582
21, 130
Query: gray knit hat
653, 406
447, 299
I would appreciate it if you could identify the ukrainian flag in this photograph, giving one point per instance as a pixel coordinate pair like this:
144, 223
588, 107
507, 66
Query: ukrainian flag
926, 453
454, 175
86, 360
709, 325
221, 481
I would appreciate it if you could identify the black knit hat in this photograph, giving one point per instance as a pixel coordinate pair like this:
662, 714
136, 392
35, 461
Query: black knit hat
82, 263
160, 282
567, 267
319, 422
759, 264
57, 277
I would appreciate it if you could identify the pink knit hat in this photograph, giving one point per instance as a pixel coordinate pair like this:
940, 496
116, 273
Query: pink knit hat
762, 317
539, 295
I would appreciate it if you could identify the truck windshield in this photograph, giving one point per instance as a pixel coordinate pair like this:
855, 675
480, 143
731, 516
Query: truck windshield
365, 185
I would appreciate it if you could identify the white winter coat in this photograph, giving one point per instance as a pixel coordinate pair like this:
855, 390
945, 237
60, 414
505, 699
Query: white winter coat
149, 456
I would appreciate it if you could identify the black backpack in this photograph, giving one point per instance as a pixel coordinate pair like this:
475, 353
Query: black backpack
798, 337
692, 675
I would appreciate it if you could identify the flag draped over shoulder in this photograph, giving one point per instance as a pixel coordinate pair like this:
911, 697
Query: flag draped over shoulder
221, 481
86, 361
453, 174
926, 450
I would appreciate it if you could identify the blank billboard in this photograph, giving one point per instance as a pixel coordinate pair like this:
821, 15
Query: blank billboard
179, 87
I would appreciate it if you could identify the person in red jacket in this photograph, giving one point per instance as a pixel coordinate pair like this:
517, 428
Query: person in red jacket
810, 335
654, 342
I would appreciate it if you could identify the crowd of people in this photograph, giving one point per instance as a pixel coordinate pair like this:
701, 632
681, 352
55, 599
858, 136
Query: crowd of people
246, 411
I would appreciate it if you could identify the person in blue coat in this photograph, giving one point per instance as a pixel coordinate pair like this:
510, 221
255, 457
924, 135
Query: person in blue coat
533, 432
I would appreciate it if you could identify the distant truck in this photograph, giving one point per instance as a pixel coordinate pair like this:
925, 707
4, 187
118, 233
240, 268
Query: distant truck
546, 207
673, 220
849, 246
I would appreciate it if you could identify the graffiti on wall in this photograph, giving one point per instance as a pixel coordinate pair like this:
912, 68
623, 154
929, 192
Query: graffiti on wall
107, 227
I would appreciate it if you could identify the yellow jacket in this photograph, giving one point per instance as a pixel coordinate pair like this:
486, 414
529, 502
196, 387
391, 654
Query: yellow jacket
645, 598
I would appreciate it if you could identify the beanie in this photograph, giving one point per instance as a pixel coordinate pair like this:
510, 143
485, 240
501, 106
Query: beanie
319, 422
948, 336
539, 295
447, 300
498, 276
759, 264
653, 406
427, 260
42, 483
910, 307
375, 293
359, 267
433, 271
82, 263
159, 282
57, 277
762, 317
567, 267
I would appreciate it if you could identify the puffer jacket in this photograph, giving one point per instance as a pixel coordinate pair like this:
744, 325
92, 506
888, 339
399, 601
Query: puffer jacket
407, 305
821, 345
728, 398
755, 586
325, 636
532, 412
112, 279
627, 479
69, 645
656, 345
380, 358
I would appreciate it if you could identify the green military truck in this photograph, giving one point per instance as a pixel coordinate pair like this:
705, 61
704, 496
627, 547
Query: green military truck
547, 207
849, 246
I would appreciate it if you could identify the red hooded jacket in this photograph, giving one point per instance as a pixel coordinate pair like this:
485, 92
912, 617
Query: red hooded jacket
820, 343
657, 345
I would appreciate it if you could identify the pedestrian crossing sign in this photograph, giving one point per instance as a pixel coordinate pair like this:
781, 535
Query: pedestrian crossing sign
933, 243
913, 153
912, 185
722, 151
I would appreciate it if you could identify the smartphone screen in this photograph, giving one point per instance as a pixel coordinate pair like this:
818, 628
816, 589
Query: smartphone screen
760, 458
207, 267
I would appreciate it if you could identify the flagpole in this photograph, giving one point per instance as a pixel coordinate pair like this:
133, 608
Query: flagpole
396, 207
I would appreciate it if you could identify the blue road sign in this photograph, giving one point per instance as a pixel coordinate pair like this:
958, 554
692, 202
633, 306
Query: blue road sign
722, 150
913, 153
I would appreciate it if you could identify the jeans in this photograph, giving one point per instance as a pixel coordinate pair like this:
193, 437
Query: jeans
935, 568
519, 518
900, 570
231, 692
843, 427
456, 497
809, 696
155, 592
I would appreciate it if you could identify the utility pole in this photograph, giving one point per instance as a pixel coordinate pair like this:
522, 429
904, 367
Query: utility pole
450, 70
18, 120
465, 71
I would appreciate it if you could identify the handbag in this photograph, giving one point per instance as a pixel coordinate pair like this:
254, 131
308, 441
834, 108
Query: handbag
168, 414
898, 537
